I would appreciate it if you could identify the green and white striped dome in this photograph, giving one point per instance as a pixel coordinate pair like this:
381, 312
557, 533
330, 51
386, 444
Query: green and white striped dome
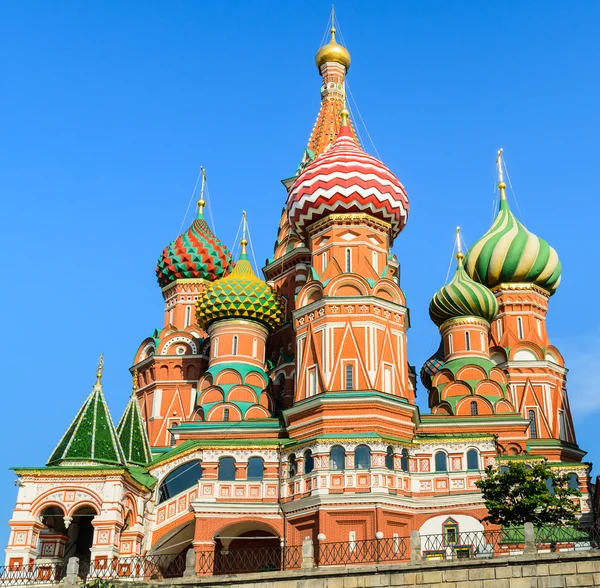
462, 297
509, 253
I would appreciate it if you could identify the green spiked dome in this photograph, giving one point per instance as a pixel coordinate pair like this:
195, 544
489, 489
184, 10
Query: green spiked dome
91, 438
462, 296
196, 254
509, 253
132, 432
239, 295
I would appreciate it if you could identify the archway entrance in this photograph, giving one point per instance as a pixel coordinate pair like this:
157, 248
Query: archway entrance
81, 534
168, 554
247, 547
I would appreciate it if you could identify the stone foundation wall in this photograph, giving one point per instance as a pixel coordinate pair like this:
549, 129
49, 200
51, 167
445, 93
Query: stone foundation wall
579, 568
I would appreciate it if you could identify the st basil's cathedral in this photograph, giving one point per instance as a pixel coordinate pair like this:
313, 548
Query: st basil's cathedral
282, 408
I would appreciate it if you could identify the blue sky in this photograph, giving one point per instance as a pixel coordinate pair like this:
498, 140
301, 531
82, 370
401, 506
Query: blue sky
109, 108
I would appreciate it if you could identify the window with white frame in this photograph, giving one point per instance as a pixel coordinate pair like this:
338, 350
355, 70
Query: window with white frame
188, 316
387, 379
312, 380
348, 377
450, 346
234, 346
375, 261
468, 341
499, 328
254, 348
348, 259
216, 348
520, 327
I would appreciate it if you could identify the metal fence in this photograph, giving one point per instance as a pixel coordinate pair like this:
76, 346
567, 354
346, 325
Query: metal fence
243, 560
470, 544
32, 574
567, 538
366, 551
149, 567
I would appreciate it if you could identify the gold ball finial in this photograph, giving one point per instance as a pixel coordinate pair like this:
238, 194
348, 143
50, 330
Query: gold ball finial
344, 115
333, 51
244, 244
201, 205
100, 369
501, 186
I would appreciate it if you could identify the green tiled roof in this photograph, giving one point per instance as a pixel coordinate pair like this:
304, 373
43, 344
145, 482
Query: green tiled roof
91, 438
132, 435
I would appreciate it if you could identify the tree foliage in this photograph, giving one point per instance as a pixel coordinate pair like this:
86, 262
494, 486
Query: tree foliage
518, 495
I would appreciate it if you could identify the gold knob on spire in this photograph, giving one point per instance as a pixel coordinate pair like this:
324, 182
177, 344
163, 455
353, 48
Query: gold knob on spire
501, 184
333, 51
244, 244
201, 205
459, 254
344, 114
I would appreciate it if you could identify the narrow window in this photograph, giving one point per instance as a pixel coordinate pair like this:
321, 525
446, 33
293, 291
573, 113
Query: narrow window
482, 341
292, 466
472, 459
532, 424
309, 462
450, 346
349, 376
389, 458
375, 262
254, 348
539, 327
312, 381
387, 379
173, 433
352, 541
573, 481
171, 316
225, 414
441, 462
234, 349
348, 260
256, 468
468, 341
499, 328
216, 346
323, 261
520, 327
226, 469
188, 315
450, 529
404, 461
362, 458
337, 458
474, 408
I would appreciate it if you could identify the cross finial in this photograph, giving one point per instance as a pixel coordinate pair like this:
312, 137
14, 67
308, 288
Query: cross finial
501, 184
100, 369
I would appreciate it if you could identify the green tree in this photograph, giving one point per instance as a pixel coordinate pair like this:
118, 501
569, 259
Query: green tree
538, 495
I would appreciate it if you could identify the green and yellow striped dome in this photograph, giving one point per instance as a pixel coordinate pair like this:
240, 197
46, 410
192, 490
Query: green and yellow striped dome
462, 296
509, 253
241, 294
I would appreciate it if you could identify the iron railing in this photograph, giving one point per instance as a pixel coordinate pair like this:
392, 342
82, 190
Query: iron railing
567, 538
465, 545
251, 559
394, 549
147, 567
32, 574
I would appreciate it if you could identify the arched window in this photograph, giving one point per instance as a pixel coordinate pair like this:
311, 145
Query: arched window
520, 327
216, 348
472, 459
441, 462
404, 461
309, 462
349, 373
499, 328
256, 468
474, 409
254, 348
226, 469
234, 347
362, 458
573, 481
450, 345
323, 261
532, 424
292, 466
375, 261
468, 341
450, 529
188, 315
182, 478
389, 458
348, 260
337, 458
225, 414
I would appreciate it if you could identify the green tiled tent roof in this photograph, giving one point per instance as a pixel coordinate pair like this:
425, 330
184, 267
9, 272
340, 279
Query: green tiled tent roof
132, 433
91, 437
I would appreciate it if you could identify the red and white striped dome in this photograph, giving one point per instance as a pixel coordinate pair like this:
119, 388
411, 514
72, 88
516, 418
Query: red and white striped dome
345, 179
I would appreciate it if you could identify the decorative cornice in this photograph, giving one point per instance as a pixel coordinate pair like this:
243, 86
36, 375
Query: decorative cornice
349, 218
464, 320
505, 286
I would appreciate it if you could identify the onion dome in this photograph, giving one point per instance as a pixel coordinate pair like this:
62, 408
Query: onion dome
345, 179
241, 294
462, 296
196, 254
432, 366
333, 51
509, 253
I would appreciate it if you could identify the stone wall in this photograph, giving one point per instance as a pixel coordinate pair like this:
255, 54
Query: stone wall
549, 570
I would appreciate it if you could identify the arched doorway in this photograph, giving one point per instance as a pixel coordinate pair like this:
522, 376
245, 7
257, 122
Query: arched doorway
81, 534
169, 552
53, 536
247, 547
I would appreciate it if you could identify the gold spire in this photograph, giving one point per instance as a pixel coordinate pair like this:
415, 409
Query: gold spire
202, 202
99, 370
244, 241
459, 254
501, 184
333, 51
134, 383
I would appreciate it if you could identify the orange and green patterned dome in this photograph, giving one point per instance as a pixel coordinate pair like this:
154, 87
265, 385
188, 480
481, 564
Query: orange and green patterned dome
196, 254
241, 294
